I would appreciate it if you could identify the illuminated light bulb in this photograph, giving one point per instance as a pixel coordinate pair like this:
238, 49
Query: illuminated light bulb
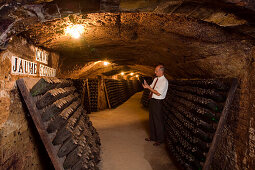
137, 76
131, 74
106, 63
122, 73
74, 31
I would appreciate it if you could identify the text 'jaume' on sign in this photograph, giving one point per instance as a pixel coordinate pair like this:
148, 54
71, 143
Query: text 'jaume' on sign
23, 67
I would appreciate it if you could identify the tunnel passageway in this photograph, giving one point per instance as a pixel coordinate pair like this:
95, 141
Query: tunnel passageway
96, 54
122, 131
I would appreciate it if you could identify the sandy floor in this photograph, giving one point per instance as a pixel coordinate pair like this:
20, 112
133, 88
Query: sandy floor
122, 132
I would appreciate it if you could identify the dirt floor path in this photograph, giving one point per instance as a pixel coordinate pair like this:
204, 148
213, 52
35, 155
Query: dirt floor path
122, 132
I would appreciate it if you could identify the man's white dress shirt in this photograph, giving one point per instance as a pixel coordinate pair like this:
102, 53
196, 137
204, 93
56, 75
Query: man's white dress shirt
161, 87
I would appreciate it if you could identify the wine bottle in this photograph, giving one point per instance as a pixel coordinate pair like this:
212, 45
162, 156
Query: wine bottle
208, 83
209, 103
178, 139
181, 157
208, 93
191, 138
203, 112
189, 126
195, 119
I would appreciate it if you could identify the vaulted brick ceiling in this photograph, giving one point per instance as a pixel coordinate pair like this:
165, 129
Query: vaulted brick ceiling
192, 38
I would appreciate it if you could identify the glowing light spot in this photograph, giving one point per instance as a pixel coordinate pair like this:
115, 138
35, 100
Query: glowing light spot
106, 63
122, 73
97, 62
74, 31
131, 74
137, 75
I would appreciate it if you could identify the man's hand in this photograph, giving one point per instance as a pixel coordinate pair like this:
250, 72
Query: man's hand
145, 85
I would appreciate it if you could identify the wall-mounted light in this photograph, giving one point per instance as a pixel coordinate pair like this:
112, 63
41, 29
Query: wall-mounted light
122, 73
74, 31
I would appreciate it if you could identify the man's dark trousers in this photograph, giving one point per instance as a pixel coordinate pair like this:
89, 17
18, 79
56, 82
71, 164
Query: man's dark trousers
156, 120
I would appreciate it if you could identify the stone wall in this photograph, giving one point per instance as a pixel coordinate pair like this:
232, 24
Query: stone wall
236, 149
20, 145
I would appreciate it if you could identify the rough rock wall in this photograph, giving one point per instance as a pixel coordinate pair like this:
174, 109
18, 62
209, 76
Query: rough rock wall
236, 149
137, 39
20, 145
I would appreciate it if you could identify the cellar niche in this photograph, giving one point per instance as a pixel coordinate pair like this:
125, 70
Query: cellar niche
71, 95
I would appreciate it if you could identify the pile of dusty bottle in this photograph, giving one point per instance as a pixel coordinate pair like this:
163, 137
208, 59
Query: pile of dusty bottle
120, 91
67, 123
192, 110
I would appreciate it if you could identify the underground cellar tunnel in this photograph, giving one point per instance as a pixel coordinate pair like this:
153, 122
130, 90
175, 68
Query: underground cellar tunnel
71, 95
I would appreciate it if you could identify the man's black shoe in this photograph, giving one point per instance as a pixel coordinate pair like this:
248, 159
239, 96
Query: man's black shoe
156, 143
148, 139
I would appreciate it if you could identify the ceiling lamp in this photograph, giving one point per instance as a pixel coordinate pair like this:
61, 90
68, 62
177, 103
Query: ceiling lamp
74, 31
106, 63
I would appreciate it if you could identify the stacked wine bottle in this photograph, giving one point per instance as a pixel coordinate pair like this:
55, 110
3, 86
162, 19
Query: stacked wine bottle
137, 85
93, 94
119, 91
78, 84
68, 126
82, 89
192, 109
86, 97
131, 87
146, 93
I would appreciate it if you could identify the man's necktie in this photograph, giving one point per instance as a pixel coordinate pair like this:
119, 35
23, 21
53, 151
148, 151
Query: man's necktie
153, 88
